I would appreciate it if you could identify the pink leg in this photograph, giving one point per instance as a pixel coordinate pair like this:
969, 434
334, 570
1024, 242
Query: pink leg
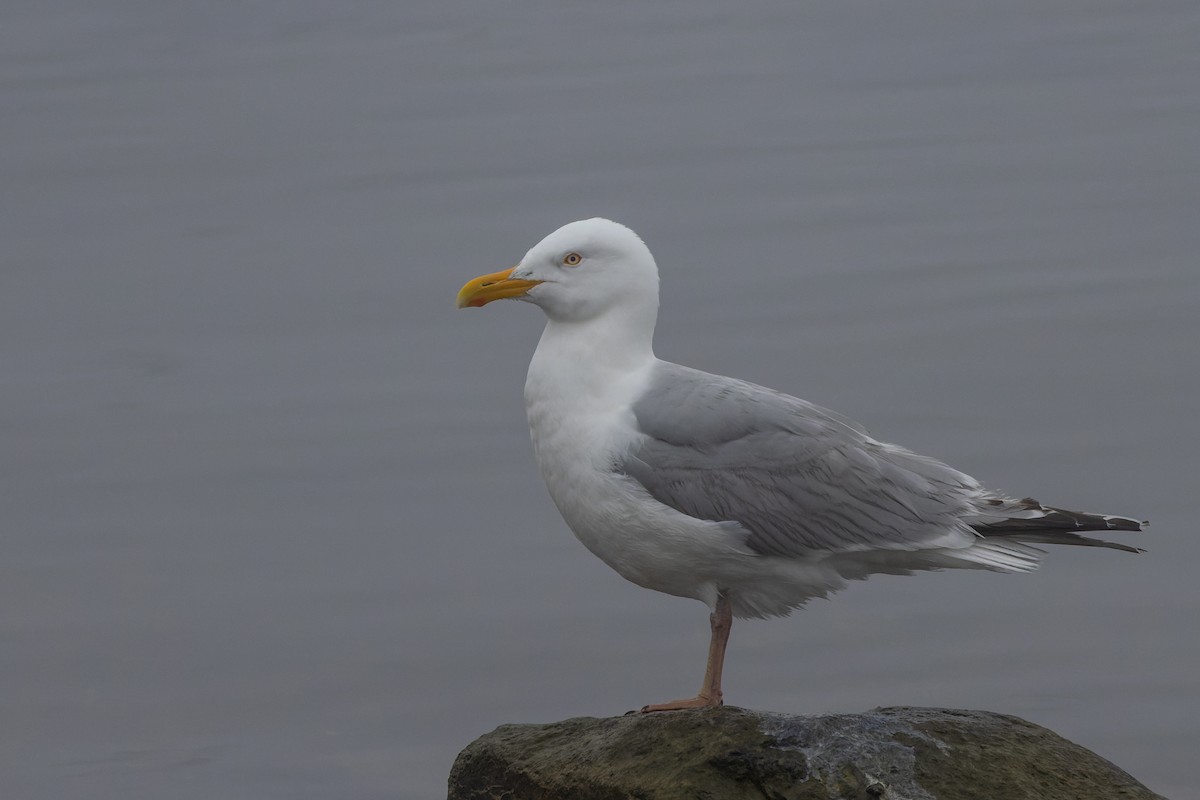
710, 695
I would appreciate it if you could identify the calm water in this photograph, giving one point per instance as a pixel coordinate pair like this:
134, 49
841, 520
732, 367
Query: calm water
271, 523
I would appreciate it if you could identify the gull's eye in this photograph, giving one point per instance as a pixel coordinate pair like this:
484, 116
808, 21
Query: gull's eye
572, 260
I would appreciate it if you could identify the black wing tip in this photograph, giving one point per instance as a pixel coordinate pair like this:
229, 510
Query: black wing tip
1090, 542
1060, 521
1059, 537
1125, 524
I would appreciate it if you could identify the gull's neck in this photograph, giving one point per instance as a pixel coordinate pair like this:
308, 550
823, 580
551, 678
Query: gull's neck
592, 364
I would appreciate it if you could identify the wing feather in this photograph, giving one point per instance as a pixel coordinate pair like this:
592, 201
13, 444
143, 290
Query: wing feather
799, 478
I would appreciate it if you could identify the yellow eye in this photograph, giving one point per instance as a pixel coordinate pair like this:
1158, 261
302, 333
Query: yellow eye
572, 260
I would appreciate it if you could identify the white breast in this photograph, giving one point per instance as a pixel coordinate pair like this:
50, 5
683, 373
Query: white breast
581, 423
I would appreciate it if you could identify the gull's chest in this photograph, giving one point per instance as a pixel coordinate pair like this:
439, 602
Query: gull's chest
574, 438
582, 430
581, 423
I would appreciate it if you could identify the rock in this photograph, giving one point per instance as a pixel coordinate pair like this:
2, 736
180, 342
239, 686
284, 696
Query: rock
731, 753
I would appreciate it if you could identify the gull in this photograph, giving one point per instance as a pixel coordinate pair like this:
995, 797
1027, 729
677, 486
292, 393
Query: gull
708, 487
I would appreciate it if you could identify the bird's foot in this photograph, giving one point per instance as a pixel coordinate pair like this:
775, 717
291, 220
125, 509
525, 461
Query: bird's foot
700, 701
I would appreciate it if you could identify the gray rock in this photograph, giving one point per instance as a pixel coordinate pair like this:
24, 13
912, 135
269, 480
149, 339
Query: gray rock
731, 753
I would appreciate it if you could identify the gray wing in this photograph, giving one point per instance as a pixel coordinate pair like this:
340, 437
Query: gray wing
797, 477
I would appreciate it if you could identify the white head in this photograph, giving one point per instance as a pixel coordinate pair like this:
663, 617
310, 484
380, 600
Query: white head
583, 271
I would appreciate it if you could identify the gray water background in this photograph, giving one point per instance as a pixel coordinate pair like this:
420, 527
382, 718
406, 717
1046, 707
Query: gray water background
271, 523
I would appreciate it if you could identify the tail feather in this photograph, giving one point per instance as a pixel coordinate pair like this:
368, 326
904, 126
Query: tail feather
1029, 521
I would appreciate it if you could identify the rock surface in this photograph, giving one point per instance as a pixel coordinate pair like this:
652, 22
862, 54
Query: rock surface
731, 753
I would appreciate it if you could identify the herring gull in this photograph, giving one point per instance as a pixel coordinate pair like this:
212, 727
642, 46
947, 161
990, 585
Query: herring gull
703, 486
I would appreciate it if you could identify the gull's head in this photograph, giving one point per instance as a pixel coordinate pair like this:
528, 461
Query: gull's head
581, 271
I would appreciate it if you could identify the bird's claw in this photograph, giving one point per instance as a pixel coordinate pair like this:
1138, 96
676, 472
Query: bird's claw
700, 701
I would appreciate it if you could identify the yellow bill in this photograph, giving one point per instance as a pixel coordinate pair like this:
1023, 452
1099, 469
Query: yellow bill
496, 286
